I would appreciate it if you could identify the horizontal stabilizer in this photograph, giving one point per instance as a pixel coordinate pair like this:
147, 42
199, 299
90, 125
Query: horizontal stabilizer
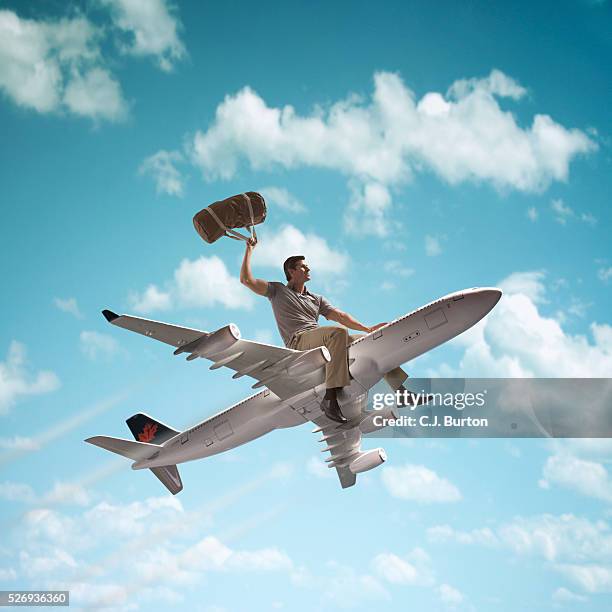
126, 448
169, 477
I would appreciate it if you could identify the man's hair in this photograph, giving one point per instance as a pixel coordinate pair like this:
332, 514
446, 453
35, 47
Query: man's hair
290, 264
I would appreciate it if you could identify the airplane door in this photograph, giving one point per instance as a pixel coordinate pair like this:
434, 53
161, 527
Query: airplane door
223, 430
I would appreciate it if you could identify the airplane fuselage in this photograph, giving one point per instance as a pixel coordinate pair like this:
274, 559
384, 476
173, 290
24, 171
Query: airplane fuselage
370, 357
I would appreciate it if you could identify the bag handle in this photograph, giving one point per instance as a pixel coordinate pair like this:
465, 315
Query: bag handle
251, 228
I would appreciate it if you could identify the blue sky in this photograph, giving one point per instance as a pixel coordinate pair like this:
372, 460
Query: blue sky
409, 150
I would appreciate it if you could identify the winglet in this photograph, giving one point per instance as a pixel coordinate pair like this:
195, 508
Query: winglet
109, 315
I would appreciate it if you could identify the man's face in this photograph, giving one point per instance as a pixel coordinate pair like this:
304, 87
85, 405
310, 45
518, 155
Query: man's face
301, 272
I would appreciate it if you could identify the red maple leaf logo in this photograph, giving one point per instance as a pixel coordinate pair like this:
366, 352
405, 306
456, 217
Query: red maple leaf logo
148, 433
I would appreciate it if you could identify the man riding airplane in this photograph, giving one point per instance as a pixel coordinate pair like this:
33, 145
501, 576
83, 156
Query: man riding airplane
297, 311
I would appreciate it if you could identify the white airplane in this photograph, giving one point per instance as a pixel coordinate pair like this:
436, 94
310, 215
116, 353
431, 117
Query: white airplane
293, 387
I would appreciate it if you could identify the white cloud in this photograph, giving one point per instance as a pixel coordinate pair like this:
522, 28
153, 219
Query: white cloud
368, 208
414, 569
41, 565
443, 533
586, 477
563, 213
152, 299
16, 380
206, 282
561, 538
95, 94
532, 214
152, 29
95, 345
161, 166
420, 484
592, 578
576, 547
345, 587
450, 596
19, 443
396, 268
56, 65
317, 467
432, 246
465, 136
561, 210
527, 283
62, 492
8, 573
17, 491
588, 218
68, 305
515, 340
197, 283
278, 196
563, 595
67, 493
132, 519
604, 274
497, 84
275, 247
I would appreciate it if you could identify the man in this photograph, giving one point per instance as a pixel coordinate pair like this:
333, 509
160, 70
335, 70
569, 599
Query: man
297, 312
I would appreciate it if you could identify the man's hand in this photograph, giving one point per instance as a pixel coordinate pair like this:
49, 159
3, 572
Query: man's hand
375, 327
251, 243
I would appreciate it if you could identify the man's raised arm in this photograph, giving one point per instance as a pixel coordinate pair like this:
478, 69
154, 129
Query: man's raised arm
349, 321
257, 285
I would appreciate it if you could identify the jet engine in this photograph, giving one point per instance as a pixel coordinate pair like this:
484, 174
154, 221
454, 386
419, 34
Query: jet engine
211, 344
377, 419
368, 460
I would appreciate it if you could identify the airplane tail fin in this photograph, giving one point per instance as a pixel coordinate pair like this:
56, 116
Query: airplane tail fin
168, 474
145, 428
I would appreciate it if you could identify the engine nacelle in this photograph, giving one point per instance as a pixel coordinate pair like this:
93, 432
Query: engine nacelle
377, 419
309, 361
368, 460
213, 343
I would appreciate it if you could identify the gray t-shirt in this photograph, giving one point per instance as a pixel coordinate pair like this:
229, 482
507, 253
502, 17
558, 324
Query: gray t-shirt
295, 312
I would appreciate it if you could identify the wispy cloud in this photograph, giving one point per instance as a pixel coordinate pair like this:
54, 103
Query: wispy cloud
162, 167
604, 274
95, 345
563, 213
68, 305
420, 484
281, 197
433, 248
17, 381
151, 29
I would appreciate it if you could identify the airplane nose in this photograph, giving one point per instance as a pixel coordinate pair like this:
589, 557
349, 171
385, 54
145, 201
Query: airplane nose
489, 297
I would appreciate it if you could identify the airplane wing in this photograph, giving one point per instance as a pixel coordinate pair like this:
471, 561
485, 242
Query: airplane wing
343, 442
284, 371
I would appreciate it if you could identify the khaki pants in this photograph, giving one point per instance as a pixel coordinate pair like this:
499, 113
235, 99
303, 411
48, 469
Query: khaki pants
337, 340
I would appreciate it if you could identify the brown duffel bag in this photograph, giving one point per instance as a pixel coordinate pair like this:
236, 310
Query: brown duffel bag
222, 218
